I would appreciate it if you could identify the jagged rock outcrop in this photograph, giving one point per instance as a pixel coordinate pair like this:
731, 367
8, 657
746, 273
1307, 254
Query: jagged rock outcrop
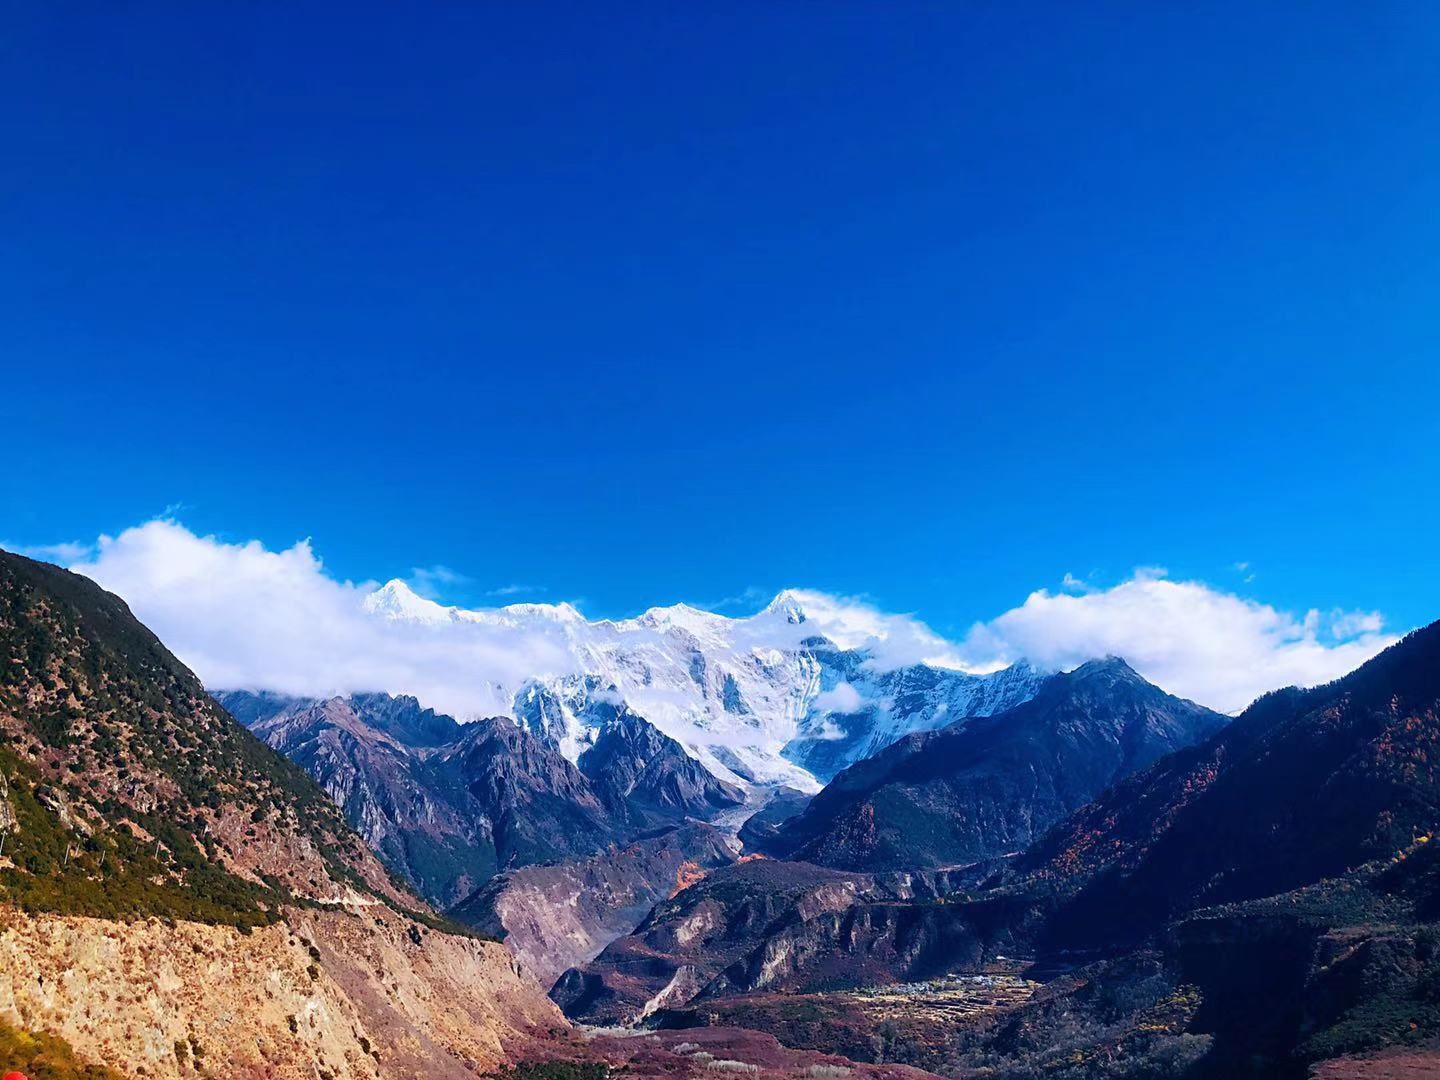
540, 807
8, 821
405, 720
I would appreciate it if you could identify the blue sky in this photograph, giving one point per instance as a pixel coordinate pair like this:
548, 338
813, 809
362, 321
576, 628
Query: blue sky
933, 304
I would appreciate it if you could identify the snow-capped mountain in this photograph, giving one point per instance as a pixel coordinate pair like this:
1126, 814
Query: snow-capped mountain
860, 711
787, 696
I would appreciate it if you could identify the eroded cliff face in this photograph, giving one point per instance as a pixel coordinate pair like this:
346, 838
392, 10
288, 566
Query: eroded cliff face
340, 994
557, 916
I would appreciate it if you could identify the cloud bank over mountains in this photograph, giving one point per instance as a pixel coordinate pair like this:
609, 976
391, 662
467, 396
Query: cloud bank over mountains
1210, 646
244, 616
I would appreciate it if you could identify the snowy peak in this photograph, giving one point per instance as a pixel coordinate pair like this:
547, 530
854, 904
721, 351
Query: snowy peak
787, 605
397, 601
693, 620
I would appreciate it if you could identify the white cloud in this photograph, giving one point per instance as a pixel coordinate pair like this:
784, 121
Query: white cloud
844, 698
1345, 625
242, 615
1217, 648
894, 641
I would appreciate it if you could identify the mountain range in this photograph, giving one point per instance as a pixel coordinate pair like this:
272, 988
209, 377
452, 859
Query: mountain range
1066, 875
973, 791
785, 697
447, 806
1263, 901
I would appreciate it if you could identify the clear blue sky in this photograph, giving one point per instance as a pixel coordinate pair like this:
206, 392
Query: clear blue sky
643, 302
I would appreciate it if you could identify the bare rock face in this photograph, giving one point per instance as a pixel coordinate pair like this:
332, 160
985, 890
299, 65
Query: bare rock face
540, 806
555, 917
54, 800
8, 821
348, 992
362, 752
770, 926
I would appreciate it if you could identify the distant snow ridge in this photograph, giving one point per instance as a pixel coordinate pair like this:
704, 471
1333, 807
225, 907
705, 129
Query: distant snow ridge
788, 696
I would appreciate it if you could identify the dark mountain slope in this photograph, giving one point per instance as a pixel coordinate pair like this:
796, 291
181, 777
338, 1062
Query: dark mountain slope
254, 707
403, 719
446, 815
1303, 785
990, 785
540, 807
399, 717
761, 829
634, 765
